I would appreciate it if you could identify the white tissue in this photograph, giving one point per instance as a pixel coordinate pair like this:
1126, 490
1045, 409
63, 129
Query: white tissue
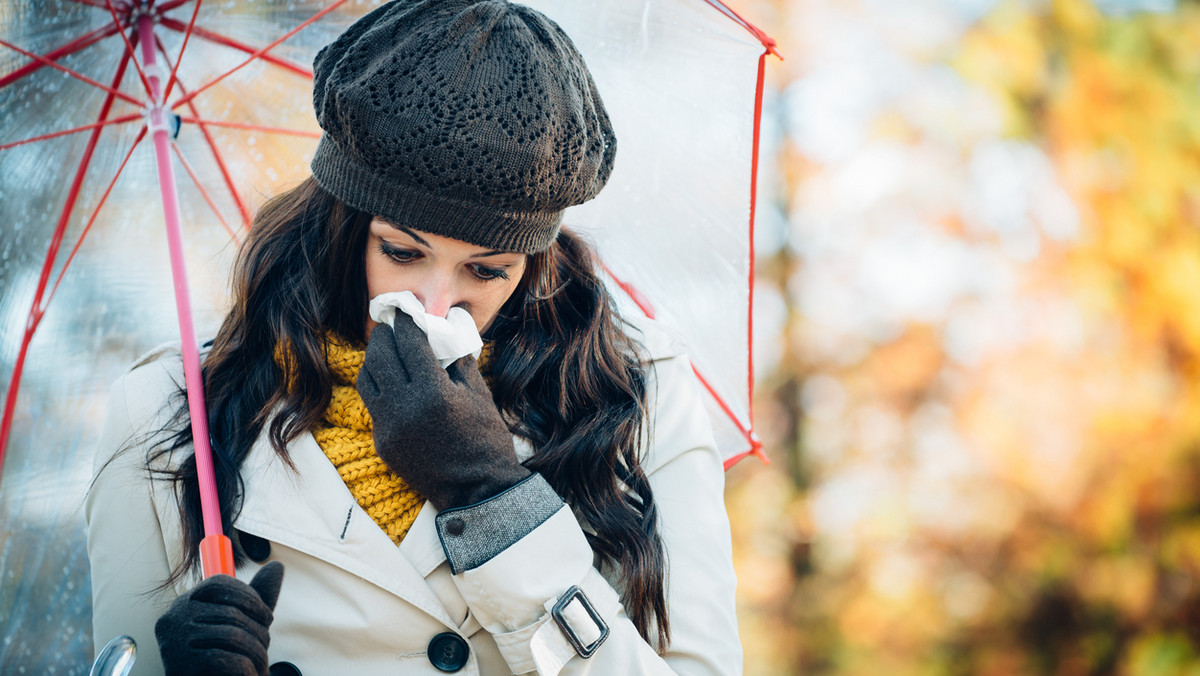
451, 337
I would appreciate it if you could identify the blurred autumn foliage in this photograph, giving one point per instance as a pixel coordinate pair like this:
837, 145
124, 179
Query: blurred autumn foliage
984, 403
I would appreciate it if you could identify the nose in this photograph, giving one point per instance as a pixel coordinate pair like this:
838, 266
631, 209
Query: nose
436, 293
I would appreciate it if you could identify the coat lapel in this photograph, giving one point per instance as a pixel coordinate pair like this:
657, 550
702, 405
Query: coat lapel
311, 510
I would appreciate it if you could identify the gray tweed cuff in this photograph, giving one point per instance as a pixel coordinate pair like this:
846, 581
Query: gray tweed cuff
475, 534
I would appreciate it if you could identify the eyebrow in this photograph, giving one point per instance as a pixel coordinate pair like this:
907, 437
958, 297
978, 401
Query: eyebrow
494, 252
408, 232
417, 237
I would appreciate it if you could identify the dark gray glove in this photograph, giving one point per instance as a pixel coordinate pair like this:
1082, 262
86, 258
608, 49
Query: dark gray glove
220, 627
436, 428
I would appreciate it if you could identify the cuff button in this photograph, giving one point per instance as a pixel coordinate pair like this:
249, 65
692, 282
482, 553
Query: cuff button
455, 526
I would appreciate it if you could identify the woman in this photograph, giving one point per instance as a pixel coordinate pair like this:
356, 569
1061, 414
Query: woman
565, 516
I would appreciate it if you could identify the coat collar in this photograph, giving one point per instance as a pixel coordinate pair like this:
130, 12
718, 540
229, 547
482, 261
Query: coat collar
311, 510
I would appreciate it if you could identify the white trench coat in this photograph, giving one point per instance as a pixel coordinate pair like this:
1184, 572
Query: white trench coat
352, 602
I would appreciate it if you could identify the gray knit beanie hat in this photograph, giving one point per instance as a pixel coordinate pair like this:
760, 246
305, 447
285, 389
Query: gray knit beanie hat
472, 119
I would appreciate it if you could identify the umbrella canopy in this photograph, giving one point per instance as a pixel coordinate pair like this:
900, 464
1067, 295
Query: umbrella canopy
85, 280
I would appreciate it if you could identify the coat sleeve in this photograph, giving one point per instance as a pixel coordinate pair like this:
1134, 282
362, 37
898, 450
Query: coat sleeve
124, 537
513, 591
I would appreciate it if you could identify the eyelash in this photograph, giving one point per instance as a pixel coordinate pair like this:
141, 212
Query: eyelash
403, 257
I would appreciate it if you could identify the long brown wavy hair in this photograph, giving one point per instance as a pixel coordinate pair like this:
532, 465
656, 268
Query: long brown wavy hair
563, 372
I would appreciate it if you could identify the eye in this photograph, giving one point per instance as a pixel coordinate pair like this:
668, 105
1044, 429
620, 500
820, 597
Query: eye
488, 274
397, 254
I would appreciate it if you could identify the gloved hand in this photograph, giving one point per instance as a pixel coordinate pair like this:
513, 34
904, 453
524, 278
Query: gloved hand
436, 428
220, 627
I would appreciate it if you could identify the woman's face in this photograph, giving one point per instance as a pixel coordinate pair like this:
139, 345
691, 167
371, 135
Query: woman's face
441, 272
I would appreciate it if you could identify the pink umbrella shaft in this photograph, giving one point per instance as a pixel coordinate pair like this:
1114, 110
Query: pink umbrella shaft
216, 552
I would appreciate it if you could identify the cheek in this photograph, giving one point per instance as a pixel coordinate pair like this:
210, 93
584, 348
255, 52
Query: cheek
488, 310
485, 309
373, 270
383, 275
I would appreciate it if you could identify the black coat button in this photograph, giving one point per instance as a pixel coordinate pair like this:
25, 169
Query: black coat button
256, 548
284, 669
448, 652
455, 526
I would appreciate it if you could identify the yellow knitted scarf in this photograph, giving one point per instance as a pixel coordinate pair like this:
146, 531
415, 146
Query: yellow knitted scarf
344, 434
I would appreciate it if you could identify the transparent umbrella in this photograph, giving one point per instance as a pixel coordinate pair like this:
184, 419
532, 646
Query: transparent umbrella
86, 281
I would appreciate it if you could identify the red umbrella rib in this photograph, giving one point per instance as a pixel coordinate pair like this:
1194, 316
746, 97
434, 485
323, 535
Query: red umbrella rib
74, 130
759, 34
187, 166
647, 308
46, 61
82, 42
187, 34
756, 446
233, 192
129, 47
92, 219
37, 309
258, 54
220, 39
172, 4
252, 127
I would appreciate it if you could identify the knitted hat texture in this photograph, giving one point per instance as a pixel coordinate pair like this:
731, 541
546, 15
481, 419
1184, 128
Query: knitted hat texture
476, 120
